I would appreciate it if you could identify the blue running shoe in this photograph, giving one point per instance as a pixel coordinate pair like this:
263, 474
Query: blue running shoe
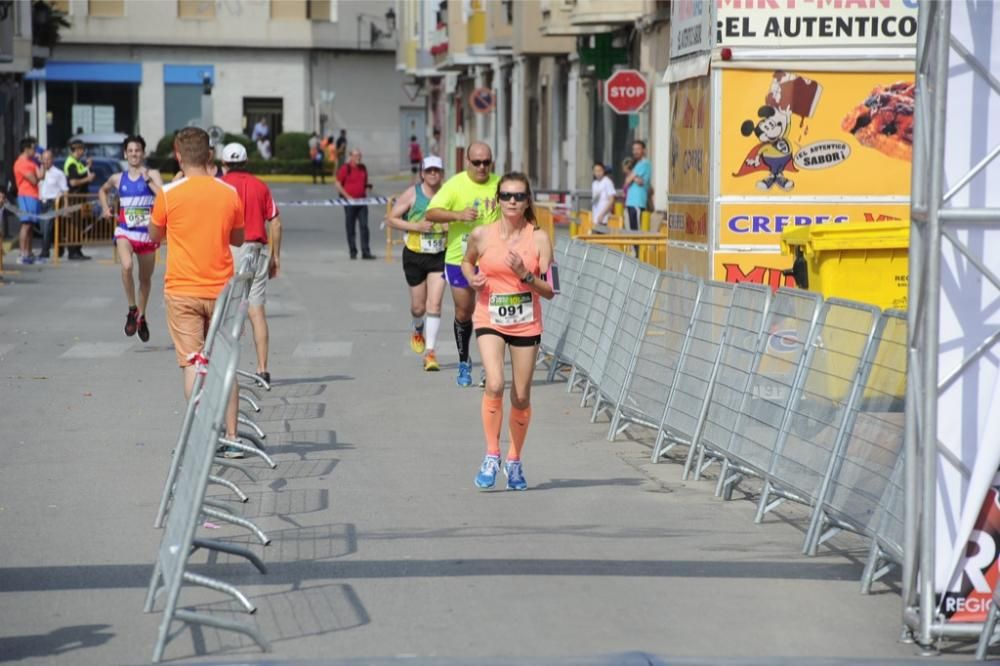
487, 475
464, 374
515, 476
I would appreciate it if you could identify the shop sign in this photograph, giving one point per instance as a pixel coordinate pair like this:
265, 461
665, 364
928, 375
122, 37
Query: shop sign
823, 23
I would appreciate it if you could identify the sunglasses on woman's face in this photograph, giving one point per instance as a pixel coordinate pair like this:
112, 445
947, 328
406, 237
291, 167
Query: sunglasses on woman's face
520, 197
480, 163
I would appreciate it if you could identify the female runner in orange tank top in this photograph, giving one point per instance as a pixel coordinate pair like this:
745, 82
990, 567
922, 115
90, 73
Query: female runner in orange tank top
512, 257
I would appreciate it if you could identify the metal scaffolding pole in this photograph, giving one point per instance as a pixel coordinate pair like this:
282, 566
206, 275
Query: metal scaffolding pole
938, 218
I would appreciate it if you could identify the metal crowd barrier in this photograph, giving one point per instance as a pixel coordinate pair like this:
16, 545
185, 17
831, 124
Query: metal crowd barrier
819, 403
189, 504
230, 310
82, 224
183, 503
582, 322
887, 527
621, 355
761, 419
607, 321
744, 329
872, 440
557, 315
393, 237
601, 299
801, 393
659, 353
684, 410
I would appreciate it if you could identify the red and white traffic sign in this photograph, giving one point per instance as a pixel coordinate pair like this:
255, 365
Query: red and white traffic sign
626, 91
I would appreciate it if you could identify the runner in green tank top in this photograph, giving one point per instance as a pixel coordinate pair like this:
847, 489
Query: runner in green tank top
423, 258
466, 201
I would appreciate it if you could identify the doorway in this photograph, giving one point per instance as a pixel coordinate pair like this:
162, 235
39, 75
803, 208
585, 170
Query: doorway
268, 108
412, 122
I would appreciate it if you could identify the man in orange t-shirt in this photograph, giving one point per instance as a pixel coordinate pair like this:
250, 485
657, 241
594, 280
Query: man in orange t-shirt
200, 217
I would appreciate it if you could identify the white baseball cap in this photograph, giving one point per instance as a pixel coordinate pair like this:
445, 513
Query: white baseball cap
234, 153
433, 162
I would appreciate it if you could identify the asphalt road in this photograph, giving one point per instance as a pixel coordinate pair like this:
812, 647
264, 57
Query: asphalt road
382, 548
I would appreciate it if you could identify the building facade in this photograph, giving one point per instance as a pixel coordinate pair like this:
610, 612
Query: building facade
527, 76
16, 54
304, 65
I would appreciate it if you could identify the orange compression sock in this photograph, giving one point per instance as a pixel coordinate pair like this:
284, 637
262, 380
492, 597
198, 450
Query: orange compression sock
492, 410
519, 420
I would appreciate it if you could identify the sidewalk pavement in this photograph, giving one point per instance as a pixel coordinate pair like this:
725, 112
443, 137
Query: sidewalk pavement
381, 546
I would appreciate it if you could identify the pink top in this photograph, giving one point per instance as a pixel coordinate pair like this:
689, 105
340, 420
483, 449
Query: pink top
506, 304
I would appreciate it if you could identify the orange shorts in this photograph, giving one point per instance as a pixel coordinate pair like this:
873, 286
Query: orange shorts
188, 318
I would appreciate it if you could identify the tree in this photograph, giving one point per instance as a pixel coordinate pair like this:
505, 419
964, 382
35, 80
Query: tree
46, 21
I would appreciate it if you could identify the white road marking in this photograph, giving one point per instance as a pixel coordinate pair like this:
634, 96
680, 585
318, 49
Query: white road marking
371, 307
97, 350
283, 307
89, 302
441, 352
323, 349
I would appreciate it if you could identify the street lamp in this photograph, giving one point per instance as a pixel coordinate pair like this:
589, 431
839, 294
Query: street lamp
375, 32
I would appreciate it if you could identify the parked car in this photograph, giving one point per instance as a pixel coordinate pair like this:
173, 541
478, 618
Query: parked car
103, 145
104, 167
107, 144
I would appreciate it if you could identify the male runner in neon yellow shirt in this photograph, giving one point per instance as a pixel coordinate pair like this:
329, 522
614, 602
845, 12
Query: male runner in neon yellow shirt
465, 201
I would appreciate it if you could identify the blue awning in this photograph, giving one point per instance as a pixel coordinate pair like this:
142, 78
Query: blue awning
187, 74
88, 72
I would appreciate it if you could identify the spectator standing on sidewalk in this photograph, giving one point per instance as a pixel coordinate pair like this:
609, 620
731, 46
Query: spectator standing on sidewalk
341, 146
315, 158
53, 186
352, 183
80, 177
200, 216
261, 224
27, 174
416, 156
602, 198
137, 188
329, 148
262, 137
637, 186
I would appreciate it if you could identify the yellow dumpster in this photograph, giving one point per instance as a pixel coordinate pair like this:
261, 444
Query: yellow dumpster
860, 261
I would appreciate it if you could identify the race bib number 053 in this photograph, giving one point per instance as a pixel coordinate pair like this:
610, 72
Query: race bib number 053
507, 309
137, 217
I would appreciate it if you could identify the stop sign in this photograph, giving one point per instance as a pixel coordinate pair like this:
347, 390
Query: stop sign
626, 91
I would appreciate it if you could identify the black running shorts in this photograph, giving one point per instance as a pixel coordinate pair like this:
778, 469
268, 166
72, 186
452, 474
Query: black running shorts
417, 266
512, 340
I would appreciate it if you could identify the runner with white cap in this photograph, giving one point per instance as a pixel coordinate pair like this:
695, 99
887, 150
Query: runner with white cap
263, 234
423, 258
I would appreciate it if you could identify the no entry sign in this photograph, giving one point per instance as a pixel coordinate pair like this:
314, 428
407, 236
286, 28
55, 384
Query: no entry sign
626, 91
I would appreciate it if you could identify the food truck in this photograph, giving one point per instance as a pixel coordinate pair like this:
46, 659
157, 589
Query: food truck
784, 113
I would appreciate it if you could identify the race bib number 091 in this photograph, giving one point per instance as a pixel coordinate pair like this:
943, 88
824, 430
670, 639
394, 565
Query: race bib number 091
507, 309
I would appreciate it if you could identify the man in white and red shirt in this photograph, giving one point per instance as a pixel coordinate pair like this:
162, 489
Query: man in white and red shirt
263, 232
352, 183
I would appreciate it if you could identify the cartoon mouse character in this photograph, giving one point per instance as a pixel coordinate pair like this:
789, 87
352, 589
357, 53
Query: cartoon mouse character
774, 152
